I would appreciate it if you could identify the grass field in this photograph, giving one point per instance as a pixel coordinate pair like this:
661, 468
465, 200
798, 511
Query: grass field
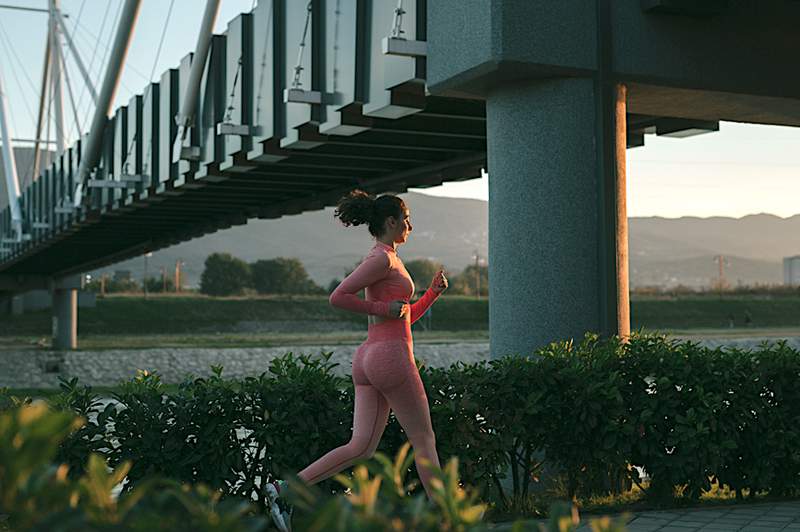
199, 321
712, 312
115, 315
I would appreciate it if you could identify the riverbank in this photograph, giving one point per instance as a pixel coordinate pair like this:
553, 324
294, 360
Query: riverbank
191, 315
40, 368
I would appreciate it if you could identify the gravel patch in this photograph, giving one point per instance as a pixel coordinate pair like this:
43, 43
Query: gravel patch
41, 369
31, 368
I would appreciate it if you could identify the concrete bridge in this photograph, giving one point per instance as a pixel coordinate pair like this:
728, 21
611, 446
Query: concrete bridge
299, 102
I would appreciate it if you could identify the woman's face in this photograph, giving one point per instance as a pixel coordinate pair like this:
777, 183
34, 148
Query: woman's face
403, 228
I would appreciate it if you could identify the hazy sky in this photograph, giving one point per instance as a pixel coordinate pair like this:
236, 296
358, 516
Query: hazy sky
742, 169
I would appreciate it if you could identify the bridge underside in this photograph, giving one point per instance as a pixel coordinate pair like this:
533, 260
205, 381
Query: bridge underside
446, 141
255, 150
275, 132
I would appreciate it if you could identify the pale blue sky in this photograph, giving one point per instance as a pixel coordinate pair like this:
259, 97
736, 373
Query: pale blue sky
742, 169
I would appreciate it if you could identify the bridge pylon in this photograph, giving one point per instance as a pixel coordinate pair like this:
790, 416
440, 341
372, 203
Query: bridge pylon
65, 312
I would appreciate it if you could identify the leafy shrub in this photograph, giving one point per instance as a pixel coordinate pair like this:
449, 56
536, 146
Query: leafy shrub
590, 414
38, 494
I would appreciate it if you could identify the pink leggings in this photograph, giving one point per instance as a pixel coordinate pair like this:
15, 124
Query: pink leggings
385, 376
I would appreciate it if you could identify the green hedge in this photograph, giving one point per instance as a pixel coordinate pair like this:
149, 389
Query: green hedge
690, 416
37, 494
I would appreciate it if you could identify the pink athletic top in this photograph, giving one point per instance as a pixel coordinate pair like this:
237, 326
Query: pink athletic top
385, 278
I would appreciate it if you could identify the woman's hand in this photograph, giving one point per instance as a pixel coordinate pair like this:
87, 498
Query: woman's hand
399, 309
439, 283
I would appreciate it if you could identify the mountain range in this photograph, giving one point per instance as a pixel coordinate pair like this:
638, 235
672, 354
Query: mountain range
663, 251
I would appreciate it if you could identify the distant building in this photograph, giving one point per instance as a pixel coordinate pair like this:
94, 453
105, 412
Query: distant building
791, 271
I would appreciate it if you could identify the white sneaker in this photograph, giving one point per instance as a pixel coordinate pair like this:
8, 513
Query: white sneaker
287, 519
280, 518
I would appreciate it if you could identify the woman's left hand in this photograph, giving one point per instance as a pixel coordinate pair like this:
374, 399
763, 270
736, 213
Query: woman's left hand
439, 283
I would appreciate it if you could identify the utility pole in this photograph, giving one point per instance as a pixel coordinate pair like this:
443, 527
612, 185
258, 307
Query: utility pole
178, 276
163, 280
477, 275
144, 281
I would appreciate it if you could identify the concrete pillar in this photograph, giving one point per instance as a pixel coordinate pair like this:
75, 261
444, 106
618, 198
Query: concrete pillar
17, 305
552, 257
65, 313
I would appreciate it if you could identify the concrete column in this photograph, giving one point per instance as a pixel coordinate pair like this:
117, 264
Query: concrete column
552, 256
65, 313
17, 305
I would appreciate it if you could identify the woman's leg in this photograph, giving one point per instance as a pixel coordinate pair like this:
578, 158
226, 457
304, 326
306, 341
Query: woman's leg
410, 405
369, 421
391, 368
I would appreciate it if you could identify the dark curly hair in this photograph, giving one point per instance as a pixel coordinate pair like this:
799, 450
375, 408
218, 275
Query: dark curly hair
358, 208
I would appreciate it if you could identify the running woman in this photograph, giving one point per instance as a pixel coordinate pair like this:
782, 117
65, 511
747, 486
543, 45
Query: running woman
384, 373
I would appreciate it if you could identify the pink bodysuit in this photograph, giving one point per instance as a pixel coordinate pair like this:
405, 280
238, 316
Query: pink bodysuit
384, 373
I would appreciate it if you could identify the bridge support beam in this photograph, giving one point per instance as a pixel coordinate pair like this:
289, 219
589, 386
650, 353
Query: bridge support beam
65, 313
557, 220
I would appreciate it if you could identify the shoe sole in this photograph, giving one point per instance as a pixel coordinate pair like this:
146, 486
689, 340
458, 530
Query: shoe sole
274, 510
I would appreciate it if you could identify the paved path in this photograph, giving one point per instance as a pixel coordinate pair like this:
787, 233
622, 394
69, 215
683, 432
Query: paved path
765, 517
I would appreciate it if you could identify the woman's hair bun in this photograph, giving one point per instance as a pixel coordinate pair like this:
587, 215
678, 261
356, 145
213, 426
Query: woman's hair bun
355, 208
358, 207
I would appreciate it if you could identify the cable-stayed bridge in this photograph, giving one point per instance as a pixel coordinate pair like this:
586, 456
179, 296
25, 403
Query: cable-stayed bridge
296, 104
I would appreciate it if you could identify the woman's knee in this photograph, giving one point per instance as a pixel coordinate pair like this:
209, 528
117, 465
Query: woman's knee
423, 440
360, 449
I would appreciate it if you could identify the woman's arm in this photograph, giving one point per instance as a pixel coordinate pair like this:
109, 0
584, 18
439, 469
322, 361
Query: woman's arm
419, 306
372, 269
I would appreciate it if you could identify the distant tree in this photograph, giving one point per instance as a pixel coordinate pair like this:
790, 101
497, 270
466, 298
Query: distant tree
156, 284
283, 276
121, 286
225, 275
333, 284
422, 272
313, 288
92, 285
466, 282
104, 283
